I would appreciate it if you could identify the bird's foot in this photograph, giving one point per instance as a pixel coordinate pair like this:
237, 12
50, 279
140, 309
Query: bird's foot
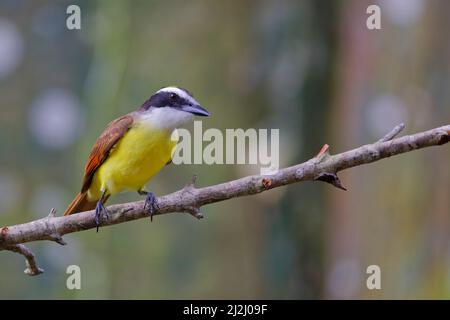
99, 209
151, 203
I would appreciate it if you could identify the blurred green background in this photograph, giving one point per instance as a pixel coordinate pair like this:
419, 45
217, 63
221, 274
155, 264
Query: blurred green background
310, 68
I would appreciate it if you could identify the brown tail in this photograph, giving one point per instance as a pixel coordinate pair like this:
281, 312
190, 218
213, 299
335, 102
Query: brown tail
80, 204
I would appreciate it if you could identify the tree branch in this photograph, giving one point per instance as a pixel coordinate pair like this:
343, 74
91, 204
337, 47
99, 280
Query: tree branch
323, 167
30, 260
394, 132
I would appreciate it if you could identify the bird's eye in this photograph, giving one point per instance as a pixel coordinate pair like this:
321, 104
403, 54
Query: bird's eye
173, 96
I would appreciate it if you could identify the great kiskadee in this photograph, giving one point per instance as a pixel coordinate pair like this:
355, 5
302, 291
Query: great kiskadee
133, 148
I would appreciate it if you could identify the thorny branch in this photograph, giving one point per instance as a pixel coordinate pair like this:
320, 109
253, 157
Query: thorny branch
323, 167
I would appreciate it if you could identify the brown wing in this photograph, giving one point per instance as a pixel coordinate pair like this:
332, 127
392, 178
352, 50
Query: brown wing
103, 146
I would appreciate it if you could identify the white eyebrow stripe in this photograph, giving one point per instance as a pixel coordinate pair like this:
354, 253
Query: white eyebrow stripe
179, 92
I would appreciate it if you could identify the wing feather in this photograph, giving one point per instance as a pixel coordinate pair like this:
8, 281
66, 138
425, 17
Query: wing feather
103, 147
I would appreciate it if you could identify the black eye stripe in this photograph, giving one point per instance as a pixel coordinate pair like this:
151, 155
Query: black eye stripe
164, 99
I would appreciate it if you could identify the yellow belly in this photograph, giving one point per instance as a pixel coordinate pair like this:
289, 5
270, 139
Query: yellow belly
141, 153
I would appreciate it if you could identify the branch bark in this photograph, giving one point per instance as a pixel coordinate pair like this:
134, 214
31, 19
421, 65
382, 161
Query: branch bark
323, 167
30, 260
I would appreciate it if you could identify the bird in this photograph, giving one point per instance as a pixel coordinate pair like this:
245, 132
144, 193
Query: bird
132, 149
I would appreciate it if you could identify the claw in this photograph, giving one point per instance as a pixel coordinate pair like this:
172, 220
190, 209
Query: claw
99, 209
151, 204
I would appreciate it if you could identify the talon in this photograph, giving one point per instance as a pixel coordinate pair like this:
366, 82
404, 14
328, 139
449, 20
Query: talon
99, 209
151, 204
98, 212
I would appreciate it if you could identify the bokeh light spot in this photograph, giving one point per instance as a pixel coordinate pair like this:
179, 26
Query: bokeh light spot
377, 121
403, 12
11, 47
55, 118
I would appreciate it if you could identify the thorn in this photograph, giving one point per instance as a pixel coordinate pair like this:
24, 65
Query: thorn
393, 133
55, 236
323, 152
52, 213
267, 183
58, 239
195, 212
331, 178
4, 231
191, 184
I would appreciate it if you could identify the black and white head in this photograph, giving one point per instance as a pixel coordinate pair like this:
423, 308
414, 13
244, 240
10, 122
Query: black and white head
171, 107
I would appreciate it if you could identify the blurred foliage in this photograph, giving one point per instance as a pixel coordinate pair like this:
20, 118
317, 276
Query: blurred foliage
309, 68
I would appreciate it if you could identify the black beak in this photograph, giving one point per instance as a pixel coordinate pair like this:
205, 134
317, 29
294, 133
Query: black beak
196, 109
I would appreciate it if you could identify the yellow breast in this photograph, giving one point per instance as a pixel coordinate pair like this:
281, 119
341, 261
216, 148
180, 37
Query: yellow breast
141, 153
